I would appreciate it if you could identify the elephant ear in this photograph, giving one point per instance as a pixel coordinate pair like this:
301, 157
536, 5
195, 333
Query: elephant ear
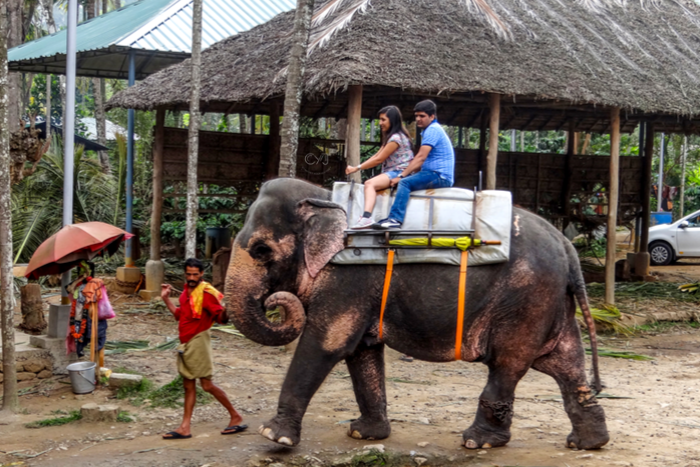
324, 223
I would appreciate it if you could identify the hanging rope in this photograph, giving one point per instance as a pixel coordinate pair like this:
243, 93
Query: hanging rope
385, 293
460, 303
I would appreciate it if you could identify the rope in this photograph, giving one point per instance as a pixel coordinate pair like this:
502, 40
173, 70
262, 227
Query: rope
385, 293
460, 303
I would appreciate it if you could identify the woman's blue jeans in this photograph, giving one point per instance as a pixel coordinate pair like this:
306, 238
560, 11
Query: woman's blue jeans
423, 180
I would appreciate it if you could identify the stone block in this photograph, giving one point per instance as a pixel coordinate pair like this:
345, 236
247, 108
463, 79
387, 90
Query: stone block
99, 413
56, 347
128, 279
25, 376
34, 367
2, 377
122, 380
44, 374
19, 367
59, 317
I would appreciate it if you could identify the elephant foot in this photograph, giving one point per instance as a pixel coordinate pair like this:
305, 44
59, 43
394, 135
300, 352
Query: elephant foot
588, 439
478, 438
280, 433
363, 428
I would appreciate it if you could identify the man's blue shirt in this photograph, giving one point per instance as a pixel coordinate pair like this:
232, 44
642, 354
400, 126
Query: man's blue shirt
441, 158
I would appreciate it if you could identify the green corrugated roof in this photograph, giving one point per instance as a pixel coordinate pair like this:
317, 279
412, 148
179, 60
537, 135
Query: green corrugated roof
95, 34
158, 32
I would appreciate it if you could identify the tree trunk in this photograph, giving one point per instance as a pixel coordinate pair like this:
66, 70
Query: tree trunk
193, 145
294, 91
33, 320
10, 399
14, 38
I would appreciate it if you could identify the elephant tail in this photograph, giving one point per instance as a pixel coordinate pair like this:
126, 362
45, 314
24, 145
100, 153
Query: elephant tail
582, 297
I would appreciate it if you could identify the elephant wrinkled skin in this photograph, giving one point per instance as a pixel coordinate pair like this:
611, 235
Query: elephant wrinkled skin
518, 315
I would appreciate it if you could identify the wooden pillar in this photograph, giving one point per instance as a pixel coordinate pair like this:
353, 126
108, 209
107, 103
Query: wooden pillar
568, 173
481, 163
273, 156
492, 157
646, 187
613, 194
157, 211
352, 139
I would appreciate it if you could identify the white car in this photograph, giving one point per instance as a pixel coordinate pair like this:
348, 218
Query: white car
680, 239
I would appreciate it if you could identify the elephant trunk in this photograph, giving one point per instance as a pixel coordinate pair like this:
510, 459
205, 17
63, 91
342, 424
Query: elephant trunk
245, 288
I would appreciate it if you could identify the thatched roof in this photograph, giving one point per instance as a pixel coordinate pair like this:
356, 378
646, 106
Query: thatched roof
564, 61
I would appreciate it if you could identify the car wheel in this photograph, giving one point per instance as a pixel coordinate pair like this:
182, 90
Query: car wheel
660, 254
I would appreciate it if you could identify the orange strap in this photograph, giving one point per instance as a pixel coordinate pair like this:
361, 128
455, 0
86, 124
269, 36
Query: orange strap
385, 293
460, 304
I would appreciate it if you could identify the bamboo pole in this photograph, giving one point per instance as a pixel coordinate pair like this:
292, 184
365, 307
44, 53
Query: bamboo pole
684, 156
93, 334
273, 156
157, 211
613, 194
492, 157
352, 139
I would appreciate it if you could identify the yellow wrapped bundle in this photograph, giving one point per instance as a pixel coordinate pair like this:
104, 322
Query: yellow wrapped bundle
462, 243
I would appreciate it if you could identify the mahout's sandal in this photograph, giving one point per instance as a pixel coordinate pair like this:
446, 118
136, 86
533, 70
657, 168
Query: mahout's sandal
175, 435
233, 429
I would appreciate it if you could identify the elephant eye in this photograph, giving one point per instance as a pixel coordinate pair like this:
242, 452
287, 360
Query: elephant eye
261, 252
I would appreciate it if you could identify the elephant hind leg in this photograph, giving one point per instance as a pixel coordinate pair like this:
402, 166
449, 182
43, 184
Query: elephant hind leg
566, 364
366, 367
491, 427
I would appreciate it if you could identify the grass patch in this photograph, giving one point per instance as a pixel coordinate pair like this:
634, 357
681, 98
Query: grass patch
659, 327
138, 393
124, 417
376, 458
643, 291
172, 395
73, 416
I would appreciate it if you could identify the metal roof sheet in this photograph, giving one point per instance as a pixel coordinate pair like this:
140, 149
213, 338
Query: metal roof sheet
159, 31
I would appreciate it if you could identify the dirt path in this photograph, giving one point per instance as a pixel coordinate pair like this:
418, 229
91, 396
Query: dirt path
429, 403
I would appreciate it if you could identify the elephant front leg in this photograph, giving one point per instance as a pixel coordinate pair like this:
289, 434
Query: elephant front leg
312, 362
366, 366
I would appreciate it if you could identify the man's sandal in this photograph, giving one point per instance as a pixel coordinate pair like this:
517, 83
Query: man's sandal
233, 429
175, 435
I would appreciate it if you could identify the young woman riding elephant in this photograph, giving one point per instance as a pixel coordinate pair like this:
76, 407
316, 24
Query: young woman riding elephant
519, 315
394, 155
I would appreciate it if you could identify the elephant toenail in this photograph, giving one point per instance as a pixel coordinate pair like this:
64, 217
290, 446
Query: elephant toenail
486, 446
261, 428
356, 434
267, 433
471, 444
286, 441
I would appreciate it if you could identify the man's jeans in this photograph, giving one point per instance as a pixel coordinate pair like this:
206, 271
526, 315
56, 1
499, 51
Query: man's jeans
423, 180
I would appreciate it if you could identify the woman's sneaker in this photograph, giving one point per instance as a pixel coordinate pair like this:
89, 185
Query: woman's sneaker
363, 223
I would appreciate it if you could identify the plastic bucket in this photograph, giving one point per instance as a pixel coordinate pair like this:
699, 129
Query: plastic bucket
82, 377
661, 217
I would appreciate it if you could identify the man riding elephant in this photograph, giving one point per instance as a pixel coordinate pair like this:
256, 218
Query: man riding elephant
519, 315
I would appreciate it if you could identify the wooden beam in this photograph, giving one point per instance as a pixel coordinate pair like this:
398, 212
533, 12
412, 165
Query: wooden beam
157, 211
352, 140
454, 115
273, 156
613, 195
481, 161
646, 188
492, 157
527, 125
477, 116
569, 173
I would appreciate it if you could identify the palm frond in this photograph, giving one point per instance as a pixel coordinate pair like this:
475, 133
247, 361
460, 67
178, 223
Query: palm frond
321, 34
482, 9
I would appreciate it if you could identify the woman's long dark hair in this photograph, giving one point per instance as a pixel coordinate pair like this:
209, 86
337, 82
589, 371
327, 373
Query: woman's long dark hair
396, 120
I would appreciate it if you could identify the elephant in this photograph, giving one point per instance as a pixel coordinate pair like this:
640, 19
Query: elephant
518, 315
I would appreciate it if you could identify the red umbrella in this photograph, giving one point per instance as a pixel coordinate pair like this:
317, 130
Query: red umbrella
73, 244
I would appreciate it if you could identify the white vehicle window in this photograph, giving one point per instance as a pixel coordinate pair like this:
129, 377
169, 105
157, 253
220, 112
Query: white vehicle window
694, 221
